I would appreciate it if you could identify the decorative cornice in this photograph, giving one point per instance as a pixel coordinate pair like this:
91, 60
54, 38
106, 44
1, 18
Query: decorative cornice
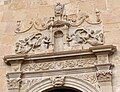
63, 54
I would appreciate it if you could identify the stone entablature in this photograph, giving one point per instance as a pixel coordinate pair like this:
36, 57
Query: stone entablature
56, 67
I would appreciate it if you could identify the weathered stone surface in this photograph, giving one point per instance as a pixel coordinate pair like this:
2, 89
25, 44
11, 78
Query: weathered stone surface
13, 11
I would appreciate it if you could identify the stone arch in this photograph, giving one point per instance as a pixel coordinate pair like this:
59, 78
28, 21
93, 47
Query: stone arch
71, 82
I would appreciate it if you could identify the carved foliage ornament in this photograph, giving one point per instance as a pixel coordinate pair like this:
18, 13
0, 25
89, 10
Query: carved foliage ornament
58, 81
68, 64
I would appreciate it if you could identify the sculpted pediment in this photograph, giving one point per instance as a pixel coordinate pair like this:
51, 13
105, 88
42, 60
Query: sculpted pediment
59, 33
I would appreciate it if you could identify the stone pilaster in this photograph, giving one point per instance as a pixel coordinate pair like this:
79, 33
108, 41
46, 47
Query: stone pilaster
14, 77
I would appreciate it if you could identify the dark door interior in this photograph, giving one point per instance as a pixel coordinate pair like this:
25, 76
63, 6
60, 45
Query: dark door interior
63, 90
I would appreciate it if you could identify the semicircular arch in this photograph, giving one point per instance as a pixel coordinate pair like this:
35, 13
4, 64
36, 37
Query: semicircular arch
71, 82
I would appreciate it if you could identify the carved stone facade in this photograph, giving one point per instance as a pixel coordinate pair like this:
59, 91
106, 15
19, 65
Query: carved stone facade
63, 33
63, 48
54, 70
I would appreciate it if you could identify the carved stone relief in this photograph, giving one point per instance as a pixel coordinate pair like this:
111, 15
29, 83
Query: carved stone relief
103, 76
75, 34
58, 81
34, 42
34, 72
14, 83
26, 83
59, 65
83, 36
43, 24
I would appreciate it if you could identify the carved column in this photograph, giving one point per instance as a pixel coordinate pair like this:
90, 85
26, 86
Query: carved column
104, 67
14, 77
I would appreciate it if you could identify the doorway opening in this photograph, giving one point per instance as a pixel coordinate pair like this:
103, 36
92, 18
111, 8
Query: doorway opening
62, 89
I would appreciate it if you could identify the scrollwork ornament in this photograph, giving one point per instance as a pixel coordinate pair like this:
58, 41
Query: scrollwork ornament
59, 65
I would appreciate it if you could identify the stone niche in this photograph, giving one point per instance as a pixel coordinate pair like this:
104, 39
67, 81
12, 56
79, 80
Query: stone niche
67, 51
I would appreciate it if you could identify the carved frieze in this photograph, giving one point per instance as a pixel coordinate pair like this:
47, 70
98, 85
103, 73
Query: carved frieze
59, 65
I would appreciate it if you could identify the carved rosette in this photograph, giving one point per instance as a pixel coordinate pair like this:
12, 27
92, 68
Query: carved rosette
103, 76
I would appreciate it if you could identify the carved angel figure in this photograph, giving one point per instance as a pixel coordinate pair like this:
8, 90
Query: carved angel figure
86, 36
72, 40
31, 43
45, 43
